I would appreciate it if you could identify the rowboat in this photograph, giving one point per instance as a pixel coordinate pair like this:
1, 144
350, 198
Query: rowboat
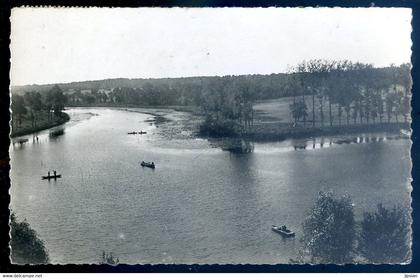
135, 132
51, 177
148, 164
283, 231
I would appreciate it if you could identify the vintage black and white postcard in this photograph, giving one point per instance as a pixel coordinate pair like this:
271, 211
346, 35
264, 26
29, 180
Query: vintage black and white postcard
210, 136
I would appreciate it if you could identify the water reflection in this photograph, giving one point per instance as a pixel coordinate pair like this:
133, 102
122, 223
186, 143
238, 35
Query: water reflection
54, 133
243, 195
320, 142
299, 144
217, 206
235, 145
19, 141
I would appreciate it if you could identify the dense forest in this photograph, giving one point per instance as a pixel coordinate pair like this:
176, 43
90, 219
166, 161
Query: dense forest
165, 91
321, 92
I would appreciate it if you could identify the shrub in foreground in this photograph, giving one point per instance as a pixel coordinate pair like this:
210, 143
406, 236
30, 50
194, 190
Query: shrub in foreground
26, 247
329, 231
385, 235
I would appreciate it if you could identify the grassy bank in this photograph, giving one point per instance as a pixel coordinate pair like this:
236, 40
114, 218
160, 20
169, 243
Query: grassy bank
272, 122
42, 123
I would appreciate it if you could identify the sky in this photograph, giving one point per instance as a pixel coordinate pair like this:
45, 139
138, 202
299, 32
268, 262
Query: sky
58, 45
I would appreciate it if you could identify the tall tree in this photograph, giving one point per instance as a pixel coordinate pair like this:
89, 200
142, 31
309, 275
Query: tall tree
18, 109
34, 103
55, 100
329, 231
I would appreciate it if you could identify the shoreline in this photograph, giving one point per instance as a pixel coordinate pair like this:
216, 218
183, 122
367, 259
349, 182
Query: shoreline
186, 108
259, 132
310, 132
278, 131
26, 131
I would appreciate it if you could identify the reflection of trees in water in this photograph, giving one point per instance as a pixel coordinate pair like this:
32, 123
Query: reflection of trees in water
20, 142
235, 145
244, 146
316, 143
299, 144
242, 165
56, 133
244, 195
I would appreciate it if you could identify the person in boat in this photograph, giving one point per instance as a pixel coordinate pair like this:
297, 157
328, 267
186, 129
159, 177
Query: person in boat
48, 173
153, 164
55, 173
284, 228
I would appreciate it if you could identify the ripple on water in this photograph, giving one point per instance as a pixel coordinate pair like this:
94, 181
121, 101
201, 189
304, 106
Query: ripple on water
200, 204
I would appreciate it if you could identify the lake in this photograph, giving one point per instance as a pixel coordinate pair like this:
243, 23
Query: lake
201, 204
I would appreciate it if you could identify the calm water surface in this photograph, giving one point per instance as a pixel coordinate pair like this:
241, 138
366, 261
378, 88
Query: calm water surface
200, 204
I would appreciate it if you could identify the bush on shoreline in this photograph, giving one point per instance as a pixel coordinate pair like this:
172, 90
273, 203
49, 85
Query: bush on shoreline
219, 128
26, 246
109, 258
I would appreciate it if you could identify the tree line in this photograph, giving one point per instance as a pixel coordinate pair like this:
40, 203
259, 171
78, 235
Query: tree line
164, 91
36, 107
357, 92
322, 93
175, 91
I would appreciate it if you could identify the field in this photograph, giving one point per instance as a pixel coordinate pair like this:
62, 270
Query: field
273, 121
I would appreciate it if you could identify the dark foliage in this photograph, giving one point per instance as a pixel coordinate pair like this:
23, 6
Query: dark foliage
37, 111
26, 247
18, 109
55, 100
108, 258
385, 235
329, 231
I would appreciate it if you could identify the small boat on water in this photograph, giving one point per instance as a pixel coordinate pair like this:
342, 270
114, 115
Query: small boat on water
135, 132
148, 164
283, 231
51, 177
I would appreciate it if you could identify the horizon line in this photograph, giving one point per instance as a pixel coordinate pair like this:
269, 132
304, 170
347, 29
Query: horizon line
180, 77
